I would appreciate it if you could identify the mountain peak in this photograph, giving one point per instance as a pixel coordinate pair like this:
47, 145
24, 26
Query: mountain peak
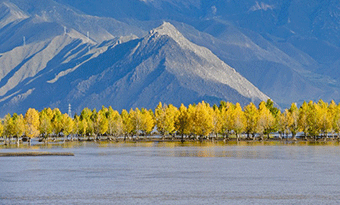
167, 29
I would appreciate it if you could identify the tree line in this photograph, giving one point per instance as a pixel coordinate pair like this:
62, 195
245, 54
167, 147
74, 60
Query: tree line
199, 121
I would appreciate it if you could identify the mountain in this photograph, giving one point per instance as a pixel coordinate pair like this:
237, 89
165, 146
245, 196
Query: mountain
162, 66
289, 50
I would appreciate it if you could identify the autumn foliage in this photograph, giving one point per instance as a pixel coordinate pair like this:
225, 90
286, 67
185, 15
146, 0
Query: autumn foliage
195, 121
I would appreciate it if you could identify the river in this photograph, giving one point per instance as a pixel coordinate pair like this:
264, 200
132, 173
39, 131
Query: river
173, 173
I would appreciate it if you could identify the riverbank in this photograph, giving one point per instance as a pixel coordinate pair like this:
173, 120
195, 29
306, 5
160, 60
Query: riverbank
36, 145
156, 139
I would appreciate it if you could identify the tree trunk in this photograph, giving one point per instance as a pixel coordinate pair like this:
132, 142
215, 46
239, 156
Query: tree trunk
293, 137
261, 137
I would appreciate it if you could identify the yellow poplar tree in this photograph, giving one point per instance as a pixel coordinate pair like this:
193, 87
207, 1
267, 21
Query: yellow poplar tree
302, 119
191, 119
115, 123
182, 121
217, 121
68, 125
336, 123
324, 118
86, 121
333, 115
45, 126
136, 120
1, 129
203, 120
127, 123
239, 120
102, 121
227, 111
251, 115
32, 123
148, 122
82, 127
313, 113
265, 120
165, 119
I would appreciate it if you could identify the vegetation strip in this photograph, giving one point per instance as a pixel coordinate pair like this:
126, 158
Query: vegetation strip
317, 121
35, 154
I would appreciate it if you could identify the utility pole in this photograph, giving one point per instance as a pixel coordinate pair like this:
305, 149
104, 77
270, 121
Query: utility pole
69, 111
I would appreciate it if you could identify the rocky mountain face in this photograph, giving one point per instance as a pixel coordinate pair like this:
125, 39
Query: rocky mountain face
115, 52
289, 49
123, 72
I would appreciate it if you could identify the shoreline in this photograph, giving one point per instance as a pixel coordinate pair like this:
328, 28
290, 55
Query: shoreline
152, 139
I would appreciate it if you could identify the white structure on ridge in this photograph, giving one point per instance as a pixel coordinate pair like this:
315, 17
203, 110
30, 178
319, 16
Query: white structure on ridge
69, 110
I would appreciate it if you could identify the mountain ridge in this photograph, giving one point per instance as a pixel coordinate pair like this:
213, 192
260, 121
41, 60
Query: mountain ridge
144, 71
278, 46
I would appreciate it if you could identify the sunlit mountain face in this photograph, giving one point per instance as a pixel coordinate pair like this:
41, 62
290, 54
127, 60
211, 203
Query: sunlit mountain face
136, 53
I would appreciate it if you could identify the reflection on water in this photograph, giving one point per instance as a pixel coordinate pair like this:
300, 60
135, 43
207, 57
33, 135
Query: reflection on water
103, 144
267, 172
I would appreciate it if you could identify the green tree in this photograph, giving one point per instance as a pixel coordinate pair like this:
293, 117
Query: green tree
57, 123
294, 120
273, 110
